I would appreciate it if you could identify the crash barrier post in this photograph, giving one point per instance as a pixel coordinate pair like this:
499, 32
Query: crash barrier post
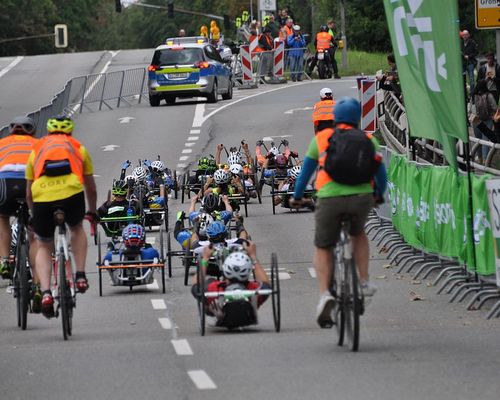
395, 130
85, 91
368, 95
279, 58
246, 67
254, 44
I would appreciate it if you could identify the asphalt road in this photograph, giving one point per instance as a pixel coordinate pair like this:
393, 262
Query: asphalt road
125, 348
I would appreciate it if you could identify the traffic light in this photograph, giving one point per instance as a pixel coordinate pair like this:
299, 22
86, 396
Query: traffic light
170, 8
118, 6
61, 35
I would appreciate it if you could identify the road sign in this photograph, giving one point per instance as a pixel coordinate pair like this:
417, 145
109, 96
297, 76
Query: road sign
267, 5
487, 14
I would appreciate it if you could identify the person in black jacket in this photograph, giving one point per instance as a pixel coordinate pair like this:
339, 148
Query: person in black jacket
490, 72
469, 54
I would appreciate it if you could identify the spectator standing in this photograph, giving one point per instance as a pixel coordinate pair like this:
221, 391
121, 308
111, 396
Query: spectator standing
182, 33
266, 45
491, 73
332, 30
296, 43
486, 108
214, 33
273, 26
283, 16
288, 28
390, 80
469, 54
204, 31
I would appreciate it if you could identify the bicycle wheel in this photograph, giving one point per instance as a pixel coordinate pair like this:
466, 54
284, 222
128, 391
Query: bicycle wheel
16, 283
64, 297
201, 299
276, 295
24, 284
353, 305
338, 312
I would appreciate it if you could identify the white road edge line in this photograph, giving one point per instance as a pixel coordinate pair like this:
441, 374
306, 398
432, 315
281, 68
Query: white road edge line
14, 62
201, 379
165, 323
312, 272
182, 347
158, 304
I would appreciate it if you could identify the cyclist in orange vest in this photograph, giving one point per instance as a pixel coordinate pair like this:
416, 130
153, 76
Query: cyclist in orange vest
323, 111
14, 152
58, 172
324, 41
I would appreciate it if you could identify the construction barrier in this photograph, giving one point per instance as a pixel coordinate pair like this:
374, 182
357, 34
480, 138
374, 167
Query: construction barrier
368, 105
279, 58
246, 64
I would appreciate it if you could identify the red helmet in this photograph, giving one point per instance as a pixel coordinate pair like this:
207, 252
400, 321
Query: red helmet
281, 161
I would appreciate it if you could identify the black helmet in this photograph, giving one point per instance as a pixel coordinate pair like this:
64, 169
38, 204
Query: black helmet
210, 202
323, 28
22, 126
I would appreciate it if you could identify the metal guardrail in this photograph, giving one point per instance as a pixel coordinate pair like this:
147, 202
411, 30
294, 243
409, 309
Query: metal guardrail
91, 93
395, 131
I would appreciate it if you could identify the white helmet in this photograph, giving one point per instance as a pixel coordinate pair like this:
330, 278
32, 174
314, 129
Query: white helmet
294, 172
221, 176
325, 93
158, 166
296, 28
234, 158
237, 266
235, 169
140, 173
203, 220
130, 178
274, 150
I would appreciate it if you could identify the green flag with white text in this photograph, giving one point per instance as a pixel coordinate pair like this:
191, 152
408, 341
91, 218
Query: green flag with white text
426, 45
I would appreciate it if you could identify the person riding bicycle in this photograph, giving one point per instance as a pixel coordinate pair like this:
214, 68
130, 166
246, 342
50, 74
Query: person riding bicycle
223, 183
336, 199
135, 248
236, 270
161, 175
325, 43
14, 152
189, 237
59, 175
322, 115
288, 185
117, 206
206, 167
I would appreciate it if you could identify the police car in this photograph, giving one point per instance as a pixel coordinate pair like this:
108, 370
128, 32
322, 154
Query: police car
189, 67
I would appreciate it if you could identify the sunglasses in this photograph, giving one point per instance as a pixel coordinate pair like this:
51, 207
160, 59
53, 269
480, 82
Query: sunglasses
25, 127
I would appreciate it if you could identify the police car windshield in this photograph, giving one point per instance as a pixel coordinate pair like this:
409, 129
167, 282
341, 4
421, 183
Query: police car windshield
175, 57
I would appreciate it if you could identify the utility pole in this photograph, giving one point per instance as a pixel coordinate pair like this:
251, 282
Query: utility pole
342, 29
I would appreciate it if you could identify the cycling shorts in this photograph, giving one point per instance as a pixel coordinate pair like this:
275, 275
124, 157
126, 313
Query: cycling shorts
328, 211
43, 214
10, 191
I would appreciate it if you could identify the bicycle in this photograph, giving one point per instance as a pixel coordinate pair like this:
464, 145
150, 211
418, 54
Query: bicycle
345, 288
22, 284
63, 276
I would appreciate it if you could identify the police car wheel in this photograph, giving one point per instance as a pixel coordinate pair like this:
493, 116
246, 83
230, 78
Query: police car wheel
154, 101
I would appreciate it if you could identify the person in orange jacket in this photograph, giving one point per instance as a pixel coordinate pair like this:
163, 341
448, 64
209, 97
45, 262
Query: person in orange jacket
325, 42
204, 31
323, 116
214, 33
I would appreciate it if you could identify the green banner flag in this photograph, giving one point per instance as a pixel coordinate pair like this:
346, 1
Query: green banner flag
426, 45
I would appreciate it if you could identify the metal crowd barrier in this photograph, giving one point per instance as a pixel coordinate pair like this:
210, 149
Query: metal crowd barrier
91, 93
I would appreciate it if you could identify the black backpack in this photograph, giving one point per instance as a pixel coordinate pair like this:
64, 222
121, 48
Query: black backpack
350, 157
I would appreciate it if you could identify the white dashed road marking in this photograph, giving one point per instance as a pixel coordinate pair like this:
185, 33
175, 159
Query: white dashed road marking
201, 379
312, 272
189, 144
183, 158
192, 138
158, 304
182, 347
181, 166
187, 151
165, 323
195, 131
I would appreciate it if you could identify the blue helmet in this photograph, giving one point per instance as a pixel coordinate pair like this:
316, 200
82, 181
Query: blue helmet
347, 110
216, 231
134, 235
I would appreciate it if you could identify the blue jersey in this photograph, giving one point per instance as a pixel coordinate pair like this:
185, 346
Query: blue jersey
147, 253
224, 216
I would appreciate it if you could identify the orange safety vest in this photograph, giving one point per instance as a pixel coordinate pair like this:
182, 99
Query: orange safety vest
268, 40
322, 140
57, 147
323, 111
289, 31
323, 40
15, 149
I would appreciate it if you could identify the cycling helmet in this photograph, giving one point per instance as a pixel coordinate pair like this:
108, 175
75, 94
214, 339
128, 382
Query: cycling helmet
295, 171
22, 126
281, 161
134, 235
210, 202
234, 158
157, 166
216, 231
347, 110
326, 93
323, 28
204, 220
120, 188
203, 163
221, 177
235, 169
60, 124
274, 150
140, 173
129, 178
237, 266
